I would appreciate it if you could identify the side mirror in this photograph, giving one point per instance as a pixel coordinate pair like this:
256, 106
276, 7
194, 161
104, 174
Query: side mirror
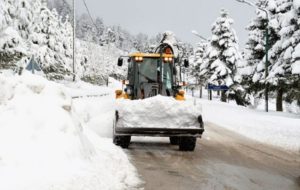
186, 63
120, 62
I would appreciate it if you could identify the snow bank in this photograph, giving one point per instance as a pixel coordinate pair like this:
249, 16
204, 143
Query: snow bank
288, 108
43, 145
97, 113
157, 112
81, 88
277, 129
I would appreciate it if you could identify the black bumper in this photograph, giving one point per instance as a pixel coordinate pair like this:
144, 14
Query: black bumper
159, 132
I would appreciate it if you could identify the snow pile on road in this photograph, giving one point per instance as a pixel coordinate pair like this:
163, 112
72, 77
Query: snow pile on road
157, 112
43, 145
277, 129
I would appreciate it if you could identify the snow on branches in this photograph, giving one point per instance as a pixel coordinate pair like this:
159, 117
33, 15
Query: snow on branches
28, 29
222, 55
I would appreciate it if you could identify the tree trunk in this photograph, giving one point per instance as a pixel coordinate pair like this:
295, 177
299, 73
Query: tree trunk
240, 99
218, 92
223, 96
210, 95
279, 97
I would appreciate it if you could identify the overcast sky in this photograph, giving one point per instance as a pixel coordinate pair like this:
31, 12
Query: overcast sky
179, 16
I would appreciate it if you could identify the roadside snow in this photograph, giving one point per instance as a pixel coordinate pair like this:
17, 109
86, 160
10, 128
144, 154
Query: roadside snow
288, 108
157, 112
277, 129
44, 144
257, 104
97, 112
83, 89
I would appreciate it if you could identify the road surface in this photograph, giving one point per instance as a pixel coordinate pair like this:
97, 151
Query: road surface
221, 160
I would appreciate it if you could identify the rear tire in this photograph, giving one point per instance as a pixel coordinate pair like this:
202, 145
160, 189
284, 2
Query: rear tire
122, 141
174, 140
187, 143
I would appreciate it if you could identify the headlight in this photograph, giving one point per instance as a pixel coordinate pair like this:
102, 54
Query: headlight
129, 91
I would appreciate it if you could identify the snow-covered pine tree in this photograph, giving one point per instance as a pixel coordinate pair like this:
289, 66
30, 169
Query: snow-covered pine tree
186, 52
99, 30
153, 42
141, 42
253, 71
22, 14
128, 41
294, 92
62, 7
109, 36
280, 69
199, 60
86, 30
32, 28
120, 38
12, 46
51, 43
222, 58
284, 38
113, 35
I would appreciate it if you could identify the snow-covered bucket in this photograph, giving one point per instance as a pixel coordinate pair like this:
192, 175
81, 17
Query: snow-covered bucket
158, 112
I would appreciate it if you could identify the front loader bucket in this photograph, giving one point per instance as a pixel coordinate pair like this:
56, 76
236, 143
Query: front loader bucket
158, 112
158, 116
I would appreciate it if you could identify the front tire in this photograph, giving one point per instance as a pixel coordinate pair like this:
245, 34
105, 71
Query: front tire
122, 141
187, 143
174, 140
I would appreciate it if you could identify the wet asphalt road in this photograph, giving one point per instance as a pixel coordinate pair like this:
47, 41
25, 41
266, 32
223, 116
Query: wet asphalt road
221, 160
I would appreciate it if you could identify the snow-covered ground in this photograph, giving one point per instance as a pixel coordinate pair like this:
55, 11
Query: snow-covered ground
256, 103
259, 104
273, 128
46, 144
50, 141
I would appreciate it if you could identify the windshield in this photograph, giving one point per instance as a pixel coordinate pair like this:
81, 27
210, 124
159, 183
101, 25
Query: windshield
149, 72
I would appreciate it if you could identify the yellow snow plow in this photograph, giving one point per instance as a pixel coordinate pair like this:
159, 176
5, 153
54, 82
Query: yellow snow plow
153, 103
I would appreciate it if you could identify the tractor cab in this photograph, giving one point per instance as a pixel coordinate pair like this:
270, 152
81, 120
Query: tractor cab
151, 74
